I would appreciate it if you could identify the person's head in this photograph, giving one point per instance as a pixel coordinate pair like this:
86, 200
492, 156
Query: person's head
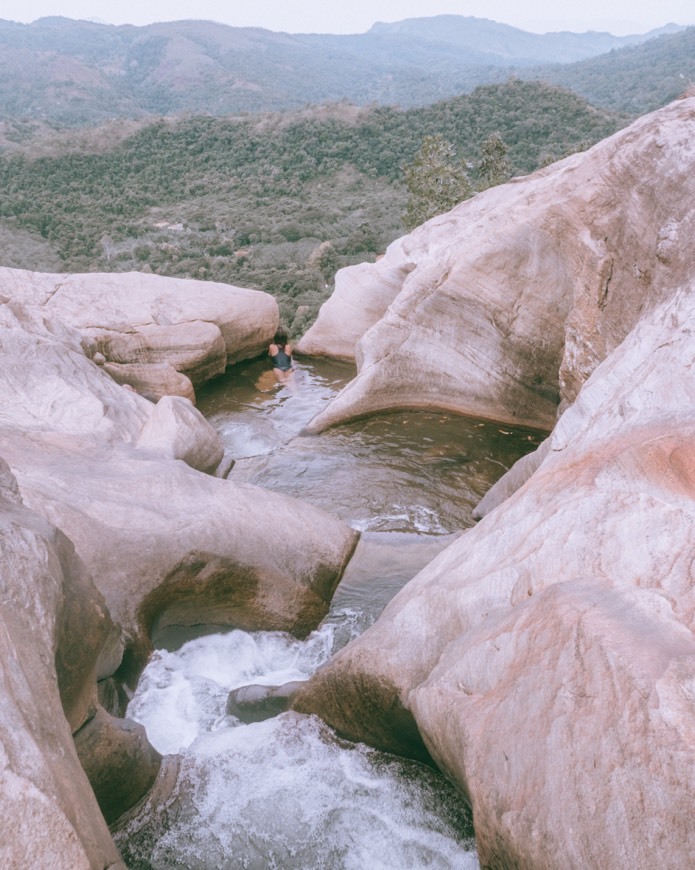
280, 337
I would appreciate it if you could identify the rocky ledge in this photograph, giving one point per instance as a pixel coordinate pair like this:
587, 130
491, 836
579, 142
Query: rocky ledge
162, 336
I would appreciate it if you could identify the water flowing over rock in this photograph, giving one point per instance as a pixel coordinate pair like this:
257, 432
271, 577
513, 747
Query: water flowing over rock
545, 660
100, 489
503, 307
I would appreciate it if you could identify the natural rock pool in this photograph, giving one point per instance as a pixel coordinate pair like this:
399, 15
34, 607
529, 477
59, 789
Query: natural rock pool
286, 792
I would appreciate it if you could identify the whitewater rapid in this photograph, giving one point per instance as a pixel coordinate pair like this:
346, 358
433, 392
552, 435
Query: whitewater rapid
284, 792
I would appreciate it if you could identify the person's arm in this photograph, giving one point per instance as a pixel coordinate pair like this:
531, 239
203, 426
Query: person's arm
272, 350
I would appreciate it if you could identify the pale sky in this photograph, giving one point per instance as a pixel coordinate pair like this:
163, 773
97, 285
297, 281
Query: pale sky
619, 17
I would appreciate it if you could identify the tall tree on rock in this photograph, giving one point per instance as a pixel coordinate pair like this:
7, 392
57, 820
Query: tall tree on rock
436, 181
494, 167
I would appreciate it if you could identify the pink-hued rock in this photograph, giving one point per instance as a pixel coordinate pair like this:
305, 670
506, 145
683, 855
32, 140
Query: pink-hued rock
546, 658
198, 327
502, 307
361, 296
101, 484
177, 430
196, 349
164, 543
50, 817
153, 381
49, 385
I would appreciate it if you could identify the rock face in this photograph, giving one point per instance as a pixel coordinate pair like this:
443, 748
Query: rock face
164, 543
546, 659
49, 815
176, 429
504, 306
151, 380
119, 761
547, 656
140, 322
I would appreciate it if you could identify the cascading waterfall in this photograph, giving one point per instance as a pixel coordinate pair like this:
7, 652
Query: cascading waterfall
286, 792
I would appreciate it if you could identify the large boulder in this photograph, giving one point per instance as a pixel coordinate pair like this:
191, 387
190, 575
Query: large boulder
151, 380
119, 761
50, 385
168, 545
53, 630
143, 320
360, 299
176, 429
546, 659
504, 306
195, 348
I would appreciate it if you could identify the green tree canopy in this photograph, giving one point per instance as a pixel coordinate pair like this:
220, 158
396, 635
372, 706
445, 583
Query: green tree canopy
494, 167
436, 181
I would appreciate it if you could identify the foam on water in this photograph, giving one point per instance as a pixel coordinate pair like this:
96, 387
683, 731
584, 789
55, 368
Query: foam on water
285, 792
403, 518
183, 694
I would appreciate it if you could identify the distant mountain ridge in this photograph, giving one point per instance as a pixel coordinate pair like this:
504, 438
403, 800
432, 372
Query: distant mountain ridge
510, 45
79, 72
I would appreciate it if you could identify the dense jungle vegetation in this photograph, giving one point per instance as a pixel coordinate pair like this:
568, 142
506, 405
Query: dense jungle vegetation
275, 202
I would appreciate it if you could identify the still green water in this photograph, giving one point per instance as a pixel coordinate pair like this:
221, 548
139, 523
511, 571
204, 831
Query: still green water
412, 472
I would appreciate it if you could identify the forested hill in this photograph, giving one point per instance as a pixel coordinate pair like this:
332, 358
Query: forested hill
79, 72
635, 80
277, 202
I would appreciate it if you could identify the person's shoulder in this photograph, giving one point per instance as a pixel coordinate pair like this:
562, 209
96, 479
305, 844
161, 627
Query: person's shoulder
272, 349
288, 349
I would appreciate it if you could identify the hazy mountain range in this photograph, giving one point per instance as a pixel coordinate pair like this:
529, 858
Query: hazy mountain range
78, 72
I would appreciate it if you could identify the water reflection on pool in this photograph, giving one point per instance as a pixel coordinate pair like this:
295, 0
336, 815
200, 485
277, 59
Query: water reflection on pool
407, 471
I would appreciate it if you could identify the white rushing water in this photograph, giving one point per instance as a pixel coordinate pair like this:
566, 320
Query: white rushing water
284, 792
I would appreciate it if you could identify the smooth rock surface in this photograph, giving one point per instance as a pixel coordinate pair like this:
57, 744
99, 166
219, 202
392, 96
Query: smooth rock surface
362, 294
151, 380
170, 546
49, 385
197, 349
509, 302
49, 815
197, 327
547, 656
119, 761
254, 703
177, 430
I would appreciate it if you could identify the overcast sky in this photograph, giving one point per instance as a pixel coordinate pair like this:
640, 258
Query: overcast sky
355, 16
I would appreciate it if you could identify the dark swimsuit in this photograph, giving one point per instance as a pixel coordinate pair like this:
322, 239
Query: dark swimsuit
282, 360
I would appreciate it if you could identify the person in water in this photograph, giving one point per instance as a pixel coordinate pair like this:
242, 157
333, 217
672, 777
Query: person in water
280, 352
